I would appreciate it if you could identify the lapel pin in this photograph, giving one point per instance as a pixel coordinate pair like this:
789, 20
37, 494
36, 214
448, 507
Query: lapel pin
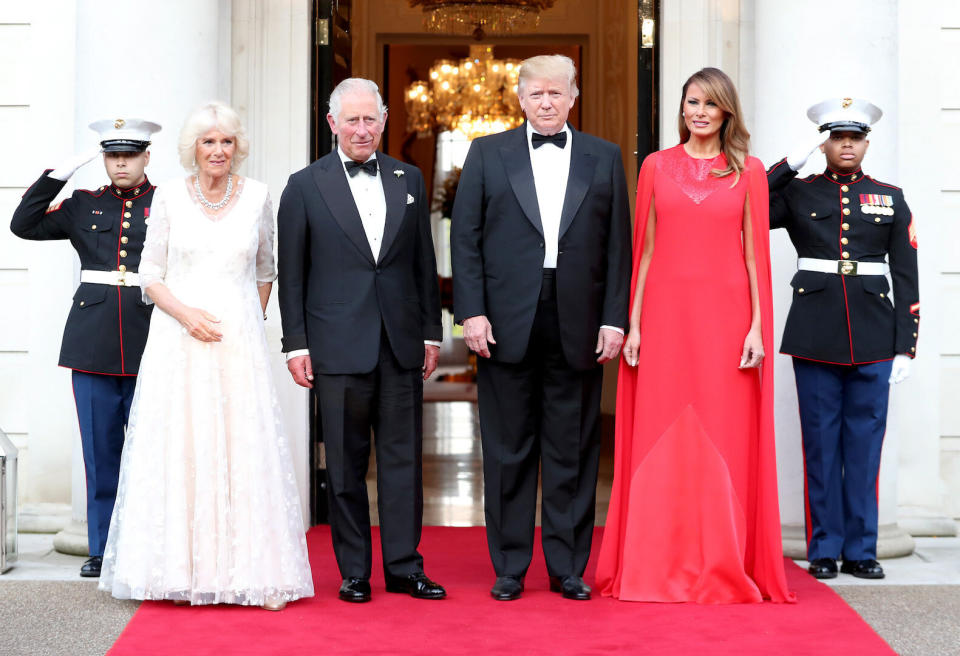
398, 172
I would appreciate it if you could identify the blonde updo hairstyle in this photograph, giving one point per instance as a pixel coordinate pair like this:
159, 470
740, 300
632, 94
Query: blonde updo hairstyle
213, 115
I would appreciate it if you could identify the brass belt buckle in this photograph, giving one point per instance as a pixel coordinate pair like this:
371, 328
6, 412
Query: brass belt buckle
122, 278
847, 267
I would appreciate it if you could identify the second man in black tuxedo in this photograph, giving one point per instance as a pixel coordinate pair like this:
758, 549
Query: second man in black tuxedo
360, 304
541, 272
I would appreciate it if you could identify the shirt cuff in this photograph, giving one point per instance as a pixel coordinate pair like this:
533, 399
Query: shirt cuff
297, 353
619, 330
430, 342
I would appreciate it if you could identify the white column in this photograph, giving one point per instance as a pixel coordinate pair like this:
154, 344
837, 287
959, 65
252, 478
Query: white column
805, 53
144, 59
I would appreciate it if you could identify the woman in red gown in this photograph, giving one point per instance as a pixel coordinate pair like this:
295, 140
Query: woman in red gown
694, 514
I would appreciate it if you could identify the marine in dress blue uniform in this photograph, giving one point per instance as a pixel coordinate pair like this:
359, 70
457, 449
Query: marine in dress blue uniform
106, 328
849, 339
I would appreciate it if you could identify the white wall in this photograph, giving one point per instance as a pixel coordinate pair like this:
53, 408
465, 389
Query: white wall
37, 89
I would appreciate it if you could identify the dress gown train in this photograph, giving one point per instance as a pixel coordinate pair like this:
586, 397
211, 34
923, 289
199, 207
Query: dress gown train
694, 514
207, 506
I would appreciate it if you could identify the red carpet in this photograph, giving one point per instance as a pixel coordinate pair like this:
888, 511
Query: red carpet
470, 622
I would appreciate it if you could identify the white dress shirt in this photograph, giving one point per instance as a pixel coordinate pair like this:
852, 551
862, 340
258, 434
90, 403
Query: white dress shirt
368, 196
371, 203
551, 167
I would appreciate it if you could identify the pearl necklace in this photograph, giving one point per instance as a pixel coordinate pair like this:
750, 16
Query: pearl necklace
223, 201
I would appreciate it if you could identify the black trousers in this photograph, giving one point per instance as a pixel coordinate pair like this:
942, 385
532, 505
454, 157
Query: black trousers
537, 413
388, 401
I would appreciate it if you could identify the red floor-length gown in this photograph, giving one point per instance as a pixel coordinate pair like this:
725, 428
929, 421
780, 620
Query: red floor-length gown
694, 514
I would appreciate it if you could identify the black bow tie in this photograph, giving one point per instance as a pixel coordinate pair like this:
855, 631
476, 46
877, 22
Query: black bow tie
370, 166
559, 139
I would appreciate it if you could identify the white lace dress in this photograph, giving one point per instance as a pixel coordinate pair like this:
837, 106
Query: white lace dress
207, 506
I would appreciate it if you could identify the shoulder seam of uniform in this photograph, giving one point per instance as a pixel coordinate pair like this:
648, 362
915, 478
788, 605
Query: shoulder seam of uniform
98, 192
884, 184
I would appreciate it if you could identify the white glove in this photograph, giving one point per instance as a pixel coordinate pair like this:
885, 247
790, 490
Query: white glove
798, 157
900, 370
68, 168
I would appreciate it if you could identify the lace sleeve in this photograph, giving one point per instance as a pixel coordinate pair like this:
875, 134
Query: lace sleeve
266, 264
153, 258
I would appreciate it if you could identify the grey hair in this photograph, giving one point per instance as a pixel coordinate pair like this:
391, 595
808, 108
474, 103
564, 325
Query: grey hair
355, 85
213, 115
549, 67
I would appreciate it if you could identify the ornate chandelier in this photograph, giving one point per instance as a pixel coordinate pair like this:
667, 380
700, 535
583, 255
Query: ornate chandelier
481, 17
477, 96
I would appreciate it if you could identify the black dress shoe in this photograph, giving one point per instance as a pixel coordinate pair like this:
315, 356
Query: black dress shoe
91, 568
355, 589
863, 569
823, 568
571, 587
416, 585
507, 588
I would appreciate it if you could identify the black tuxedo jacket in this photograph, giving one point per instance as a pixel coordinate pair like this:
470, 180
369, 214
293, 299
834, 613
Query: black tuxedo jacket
333, 296
497, 244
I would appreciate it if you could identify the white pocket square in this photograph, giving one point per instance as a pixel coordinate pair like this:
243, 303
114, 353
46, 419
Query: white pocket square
409, 199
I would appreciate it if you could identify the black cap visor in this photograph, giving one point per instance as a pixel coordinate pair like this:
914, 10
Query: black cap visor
845, 126
124, 146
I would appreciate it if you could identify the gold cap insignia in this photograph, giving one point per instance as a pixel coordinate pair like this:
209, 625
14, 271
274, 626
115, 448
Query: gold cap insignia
119, 123
846, 102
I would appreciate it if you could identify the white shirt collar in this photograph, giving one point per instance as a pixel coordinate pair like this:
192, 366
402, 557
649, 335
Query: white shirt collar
344, 158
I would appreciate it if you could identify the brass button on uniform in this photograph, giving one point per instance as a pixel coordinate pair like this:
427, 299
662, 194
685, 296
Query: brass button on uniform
126, 224
800, 291
123, 253
845, 201
843, 241
845, 255
122, 267
914, 334
813, 213
845, 226
93, 227
127, 215
882, 295
81, 303
124, 240
913, 349
877, 220
844, 188
846, 211
916, 321
129, 203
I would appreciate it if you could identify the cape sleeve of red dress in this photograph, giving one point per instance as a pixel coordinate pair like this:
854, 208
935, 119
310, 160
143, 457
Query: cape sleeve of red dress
764, 557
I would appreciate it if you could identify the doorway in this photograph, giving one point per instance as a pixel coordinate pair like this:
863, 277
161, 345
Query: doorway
617, 59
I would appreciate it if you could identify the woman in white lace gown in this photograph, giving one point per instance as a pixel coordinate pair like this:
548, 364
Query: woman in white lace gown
207, 507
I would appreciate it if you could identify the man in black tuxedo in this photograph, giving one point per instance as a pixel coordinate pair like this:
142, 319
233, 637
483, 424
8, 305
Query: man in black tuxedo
360, 307
541, 273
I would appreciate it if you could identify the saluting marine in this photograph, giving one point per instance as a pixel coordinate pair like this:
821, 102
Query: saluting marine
848, 337
107, 326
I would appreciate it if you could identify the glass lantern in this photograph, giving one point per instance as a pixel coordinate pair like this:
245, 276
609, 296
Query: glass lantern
8, 503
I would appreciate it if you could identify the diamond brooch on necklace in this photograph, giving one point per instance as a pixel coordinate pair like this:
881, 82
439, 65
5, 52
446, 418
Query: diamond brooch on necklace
223, 201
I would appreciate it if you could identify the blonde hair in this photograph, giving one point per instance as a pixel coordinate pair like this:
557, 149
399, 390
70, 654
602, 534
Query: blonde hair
734, 137
213, 115
548, 67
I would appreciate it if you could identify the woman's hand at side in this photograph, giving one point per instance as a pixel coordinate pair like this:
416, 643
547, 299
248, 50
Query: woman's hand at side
631, 347
752, 350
